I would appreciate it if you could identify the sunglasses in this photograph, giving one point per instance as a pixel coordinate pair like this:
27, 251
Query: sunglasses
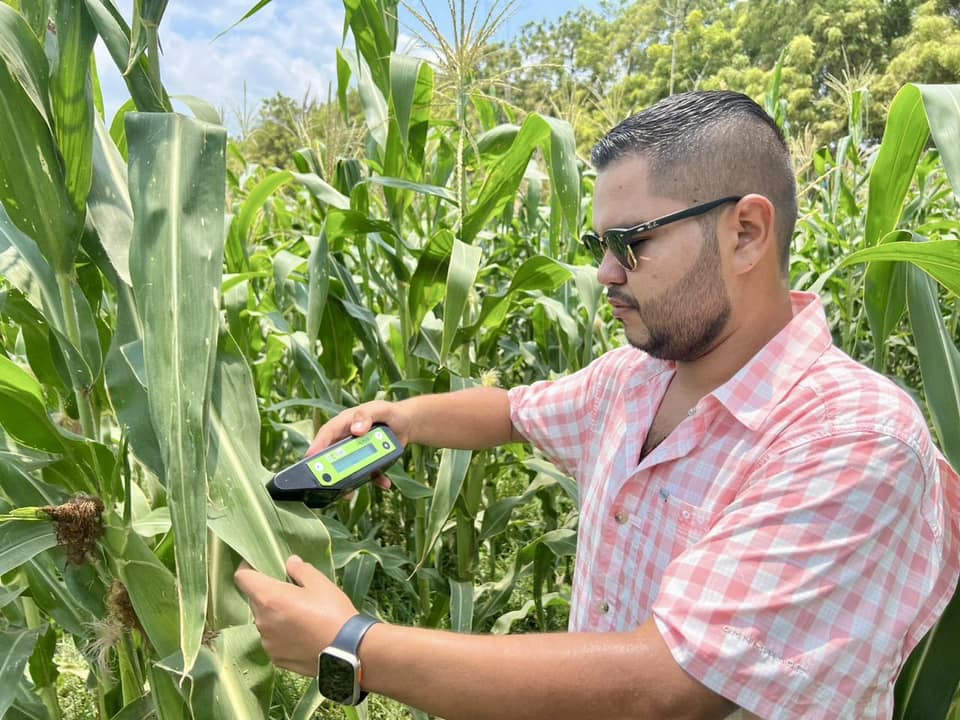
621, 242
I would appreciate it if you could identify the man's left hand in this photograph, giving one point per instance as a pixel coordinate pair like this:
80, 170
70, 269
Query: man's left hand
296, 620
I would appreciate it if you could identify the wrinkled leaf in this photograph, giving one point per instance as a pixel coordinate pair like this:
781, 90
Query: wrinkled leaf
177, 179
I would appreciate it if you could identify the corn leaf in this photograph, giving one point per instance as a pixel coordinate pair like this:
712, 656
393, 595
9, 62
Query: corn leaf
252, 11
72, 97
177, 180
21, 541
498, 513
24, 417
23, 413
561, 542
411, 96
24, 488
450, 476
21, 52
48, 587
322, 190
539, 273
427, 285
372, 93
243, 221
32, 184
461, 606
306, 708
461, 275
904, 138
939, 362
167, 700
16, 646
939, 258
404, 71
374, 26
150, 585
942, 106
9, 595
108, 203
242, 514
126, 384
43, 668
115, 33
400, 184
201, 109
555, 137
916, 111
140, 709
24, 267
318, 285
358, 576
232, 678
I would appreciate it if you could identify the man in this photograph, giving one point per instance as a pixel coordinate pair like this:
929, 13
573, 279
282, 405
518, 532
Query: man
764, 523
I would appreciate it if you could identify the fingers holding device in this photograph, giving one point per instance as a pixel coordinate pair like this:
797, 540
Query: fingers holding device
323, 477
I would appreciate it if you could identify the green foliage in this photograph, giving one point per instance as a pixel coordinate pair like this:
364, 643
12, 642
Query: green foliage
596, 66
415, 236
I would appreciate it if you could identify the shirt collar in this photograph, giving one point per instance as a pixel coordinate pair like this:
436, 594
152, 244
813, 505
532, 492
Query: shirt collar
752, 394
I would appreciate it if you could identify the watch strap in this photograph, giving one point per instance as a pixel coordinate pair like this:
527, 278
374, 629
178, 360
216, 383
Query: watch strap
352, 632
350, 637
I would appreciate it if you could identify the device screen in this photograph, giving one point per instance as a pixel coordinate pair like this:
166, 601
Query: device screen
353, 458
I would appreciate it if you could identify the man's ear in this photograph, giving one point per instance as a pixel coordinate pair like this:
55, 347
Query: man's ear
753, 222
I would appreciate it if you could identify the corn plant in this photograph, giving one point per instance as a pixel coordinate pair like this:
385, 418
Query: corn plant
117, 393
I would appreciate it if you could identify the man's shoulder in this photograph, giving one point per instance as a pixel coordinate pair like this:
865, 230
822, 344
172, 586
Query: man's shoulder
839, 394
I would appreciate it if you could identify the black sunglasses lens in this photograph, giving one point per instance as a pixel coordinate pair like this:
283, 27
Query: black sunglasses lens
594, 245
621, 251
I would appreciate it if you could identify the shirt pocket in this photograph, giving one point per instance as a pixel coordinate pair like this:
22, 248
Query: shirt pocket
679, 519
663, 528
670, 526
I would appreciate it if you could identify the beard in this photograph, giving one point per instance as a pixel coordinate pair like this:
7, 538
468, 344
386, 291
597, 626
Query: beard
684, 322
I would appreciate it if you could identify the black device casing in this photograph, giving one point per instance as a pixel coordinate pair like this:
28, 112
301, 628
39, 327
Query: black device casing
298, 484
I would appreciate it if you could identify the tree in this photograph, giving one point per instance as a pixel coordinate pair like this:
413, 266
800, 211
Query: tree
930, 53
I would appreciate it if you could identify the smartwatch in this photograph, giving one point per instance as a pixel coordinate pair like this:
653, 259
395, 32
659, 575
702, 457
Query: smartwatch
338, 667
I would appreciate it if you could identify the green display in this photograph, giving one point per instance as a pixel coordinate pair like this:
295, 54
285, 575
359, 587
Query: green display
354, 457
320, 479
340, 461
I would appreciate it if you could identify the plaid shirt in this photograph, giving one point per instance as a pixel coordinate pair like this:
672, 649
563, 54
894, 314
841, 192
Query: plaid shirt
793, 538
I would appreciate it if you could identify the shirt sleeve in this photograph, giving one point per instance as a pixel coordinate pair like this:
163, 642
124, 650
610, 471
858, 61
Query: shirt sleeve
557, 416
808, 591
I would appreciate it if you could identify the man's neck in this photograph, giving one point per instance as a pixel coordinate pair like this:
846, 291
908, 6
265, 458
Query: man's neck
746, 334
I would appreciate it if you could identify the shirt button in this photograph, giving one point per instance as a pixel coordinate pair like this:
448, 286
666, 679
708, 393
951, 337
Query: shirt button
692, 411
604, 607
621, 517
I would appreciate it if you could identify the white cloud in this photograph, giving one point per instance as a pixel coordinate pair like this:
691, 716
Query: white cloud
286, 47
289, 46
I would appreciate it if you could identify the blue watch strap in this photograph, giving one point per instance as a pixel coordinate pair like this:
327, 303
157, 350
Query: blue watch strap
352, 632
350, 637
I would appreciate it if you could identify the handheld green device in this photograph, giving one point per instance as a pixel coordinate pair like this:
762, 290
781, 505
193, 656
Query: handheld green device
320, 479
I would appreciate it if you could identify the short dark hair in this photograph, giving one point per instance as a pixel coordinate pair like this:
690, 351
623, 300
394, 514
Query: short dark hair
709, 144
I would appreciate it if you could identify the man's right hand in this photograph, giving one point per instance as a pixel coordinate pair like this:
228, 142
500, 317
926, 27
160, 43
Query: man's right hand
358, 420
466, 419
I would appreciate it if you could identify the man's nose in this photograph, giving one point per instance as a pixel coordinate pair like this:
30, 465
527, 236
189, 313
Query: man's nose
611, 272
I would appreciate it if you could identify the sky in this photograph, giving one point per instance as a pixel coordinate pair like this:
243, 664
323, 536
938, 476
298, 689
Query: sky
289, 46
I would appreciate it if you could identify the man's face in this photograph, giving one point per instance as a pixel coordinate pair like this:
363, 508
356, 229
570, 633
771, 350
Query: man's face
674, 305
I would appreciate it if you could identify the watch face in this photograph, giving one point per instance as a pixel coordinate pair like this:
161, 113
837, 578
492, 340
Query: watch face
336, 679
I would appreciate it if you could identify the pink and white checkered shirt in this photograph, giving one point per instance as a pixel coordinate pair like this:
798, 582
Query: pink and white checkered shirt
793, 538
